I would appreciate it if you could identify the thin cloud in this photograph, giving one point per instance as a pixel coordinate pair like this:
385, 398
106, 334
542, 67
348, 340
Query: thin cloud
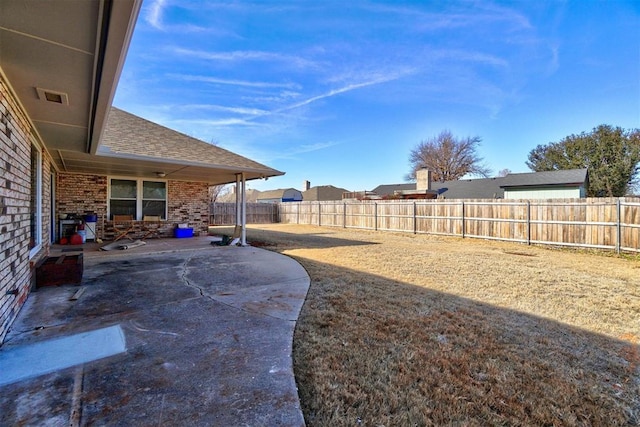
215, 123
307, 148
155, 12
467, 56
245, 55
484, 14
155, 17
339, 91
213, 107
230, 82
554, 63
292, 153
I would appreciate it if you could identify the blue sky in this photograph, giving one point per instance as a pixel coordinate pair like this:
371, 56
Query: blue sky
339, 92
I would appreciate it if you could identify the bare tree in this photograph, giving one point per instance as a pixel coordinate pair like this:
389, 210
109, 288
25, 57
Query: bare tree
216, 191
504, 172
447, 157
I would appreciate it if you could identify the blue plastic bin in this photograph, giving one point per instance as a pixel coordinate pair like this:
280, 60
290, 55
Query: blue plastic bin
181, 233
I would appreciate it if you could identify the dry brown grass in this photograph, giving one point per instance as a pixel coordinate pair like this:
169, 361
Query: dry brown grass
422, 330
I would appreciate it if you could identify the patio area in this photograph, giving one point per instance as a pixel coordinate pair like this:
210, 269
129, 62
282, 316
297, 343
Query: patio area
174, 332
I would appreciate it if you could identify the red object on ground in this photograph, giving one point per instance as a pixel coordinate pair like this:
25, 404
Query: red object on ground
76, 239
62, 270
64, 241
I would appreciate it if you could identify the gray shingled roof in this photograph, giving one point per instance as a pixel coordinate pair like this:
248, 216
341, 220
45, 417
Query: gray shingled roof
484, 188
271, 194
575, 177
130, 136
276, 194
490, 188
389, 189
323, 193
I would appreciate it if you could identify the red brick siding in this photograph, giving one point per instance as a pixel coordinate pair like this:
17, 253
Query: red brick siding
189, 203
82, 194
15, 191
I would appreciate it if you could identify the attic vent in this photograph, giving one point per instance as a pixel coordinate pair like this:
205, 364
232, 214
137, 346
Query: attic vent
53, 96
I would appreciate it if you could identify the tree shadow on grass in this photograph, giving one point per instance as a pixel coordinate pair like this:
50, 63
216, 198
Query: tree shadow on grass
372, 351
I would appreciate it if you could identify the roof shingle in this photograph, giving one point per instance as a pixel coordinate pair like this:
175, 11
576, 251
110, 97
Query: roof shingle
127, 135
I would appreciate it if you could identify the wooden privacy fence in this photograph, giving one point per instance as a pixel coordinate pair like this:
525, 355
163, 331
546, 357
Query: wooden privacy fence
604, 223
257, 213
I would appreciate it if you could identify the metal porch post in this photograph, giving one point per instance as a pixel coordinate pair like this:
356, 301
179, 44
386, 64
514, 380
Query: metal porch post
243, 238
238, 199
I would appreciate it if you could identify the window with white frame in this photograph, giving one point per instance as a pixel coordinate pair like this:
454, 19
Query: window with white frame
35, 202
137, 197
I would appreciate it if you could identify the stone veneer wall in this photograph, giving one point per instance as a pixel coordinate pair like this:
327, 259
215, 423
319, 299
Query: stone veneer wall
16, 268
189, 203
82, 194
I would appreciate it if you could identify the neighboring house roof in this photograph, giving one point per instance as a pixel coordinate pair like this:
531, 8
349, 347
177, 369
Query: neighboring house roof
490, 188
142, 147
323, 193
271, 194
279, 194
569, 177
390, 189
484, 188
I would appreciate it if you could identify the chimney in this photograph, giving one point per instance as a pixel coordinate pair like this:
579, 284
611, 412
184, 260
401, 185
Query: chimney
306, 185
423, 179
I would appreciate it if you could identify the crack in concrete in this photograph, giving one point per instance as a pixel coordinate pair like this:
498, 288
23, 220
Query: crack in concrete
183, 277
16, 333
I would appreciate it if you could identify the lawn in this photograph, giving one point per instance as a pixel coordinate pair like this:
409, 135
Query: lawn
400, 329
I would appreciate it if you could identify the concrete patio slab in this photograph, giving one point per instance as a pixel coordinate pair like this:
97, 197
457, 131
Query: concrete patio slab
208, 334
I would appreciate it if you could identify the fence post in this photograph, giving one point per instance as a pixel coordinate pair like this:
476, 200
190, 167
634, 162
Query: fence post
212, 213
415, 221
463, 222
618, 226
319, 214
528, 222
298, 212
344, 214
375, 216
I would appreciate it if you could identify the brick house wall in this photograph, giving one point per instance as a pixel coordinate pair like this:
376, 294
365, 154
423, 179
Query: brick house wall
82, 194
188, 202
16, 266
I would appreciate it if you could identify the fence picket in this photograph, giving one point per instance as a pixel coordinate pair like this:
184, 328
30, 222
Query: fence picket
605, 223
590, 223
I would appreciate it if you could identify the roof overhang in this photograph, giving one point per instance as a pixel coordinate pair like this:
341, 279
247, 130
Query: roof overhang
62, 60
148, 167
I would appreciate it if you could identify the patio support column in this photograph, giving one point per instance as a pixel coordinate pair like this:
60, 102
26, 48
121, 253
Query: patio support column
243, 238
238, 199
